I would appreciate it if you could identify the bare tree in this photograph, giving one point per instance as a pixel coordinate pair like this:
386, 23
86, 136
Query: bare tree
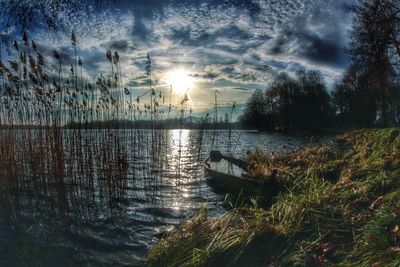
375, 49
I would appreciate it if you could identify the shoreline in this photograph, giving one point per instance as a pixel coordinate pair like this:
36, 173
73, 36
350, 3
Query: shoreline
342, 207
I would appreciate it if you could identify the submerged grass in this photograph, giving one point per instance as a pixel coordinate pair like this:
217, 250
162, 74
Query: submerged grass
341, 207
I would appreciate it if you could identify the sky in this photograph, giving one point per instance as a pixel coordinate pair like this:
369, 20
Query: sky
233, 46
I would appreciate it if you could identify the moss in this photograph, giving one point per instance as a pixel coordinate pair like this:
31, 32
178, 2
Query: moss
341, 207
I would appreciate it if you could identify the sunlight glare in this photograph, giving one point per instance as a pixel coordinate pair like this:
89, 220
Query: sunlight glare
179, 80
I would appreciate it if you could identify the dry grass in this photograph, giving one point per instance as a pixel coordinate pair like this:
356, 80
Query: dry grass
341, 207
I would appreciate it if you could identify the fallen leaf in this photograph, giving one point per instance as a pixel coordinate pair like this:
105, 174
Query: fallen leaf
395, 249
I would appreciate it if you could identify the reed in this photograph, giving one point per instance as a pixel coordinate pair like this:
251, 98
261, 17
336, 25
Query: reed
81, 136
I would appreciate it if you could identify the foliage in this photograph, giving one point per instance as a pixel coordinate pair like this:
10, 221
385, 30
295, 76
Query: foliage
301, 103
368, 94
254, 114
341, 207
369, 89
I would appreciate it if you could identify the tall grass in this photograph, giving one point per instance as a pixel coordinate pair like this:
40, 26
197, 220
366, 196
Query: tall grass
341, 207
60, 127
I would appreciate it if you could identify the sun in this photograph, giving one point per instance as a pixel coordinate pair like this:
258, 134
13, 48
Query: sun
179, 80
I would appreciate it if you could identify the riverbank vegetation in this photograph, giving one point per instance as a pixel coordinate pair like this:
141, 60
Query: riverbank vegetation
366, 96
62, 160
341, 206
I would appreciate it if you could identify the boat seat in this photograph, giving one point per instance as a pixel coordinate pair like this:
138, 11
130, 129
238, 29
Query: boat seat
216, 156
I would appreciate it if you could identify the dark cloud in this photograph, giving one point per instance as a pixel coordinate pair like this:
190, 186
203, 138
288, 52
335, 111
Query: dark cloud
324, 51
225, 43
309, 46
118, 45
317, 37
278, 64
207, 75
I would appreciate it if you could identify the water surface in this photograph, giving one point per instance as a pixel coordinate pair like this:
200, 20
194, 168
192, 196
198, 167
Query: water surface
105, 197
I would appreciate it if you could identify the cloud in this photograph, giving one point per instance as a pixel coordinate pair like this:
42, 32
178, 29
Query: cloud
240, 45
119, 45
317, 36
91, 27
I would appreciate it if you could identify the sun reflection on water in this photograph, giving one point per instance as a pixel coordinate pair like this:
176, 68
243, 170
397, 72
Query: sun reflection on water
179, 144
180, 156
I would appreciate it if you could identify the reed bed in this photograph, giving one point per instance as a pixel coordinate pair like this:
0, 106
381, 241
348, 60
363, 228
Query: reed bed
79, 140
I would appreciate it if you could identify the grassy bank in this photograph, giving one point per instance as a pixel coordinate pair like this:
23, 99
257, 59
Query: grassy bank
341, 207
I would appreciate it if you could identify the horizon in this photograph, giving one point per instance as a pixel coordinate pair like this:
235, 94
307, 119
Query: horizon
234, 47
199, 133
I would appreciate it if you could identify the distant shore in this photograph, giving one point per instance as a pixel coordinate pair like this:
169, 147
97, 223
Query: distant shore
168, 125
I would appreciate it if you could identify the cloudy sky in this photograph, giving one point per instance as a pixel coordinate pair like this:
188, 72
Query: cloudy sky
235, 46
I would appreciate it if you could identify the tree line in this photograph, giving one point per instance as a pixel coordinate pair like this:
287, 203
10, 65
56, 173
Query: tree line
368, 94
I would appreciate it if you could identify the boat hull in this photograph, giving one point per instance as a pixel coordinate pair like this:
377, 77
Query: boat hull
229, 182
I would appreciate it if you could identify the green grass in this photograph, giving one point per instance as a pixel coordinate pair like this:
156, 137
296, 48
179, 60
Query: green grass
341, 208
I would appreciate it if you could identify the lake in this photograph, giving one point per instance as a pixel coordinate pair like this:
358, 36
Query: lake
104, 197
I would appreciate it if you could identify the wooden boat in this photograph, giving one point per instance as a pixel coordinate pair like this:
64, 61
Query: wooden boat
230, 174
